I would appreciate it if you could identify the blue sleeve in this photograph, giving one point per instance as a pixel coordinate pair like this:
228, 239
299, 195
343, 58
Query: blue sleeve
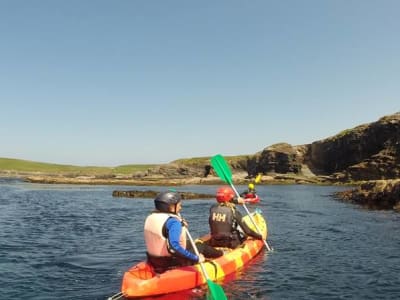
174, 228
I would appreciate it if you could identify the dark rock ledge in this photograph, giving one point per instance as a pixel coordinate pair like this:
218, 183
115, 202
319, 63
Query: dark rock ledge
378, 194
153, 194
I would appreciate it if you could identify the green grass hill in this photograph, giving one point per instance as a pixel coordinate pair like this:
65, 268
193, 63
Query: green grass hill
10, 165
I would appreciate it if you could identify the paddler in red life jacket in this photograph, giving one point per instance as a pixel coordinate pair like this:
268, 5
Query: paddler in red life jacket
165, 238
224, 220
250, 192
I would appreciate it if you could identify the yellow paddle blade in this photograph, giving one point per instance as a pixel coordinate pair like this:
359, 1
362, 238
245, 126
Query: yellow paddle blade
258, 178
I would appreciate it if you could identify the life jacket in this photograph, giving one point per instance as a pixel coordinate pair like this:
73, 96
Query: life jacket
222, 220
155, 234
250, 193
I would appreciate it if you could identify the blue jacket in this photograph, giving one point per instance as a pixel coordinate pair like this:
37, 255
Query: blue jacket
174, 229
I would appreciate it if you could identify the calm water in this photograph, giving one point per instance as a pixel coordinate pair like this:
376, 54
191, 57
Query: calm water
75, 242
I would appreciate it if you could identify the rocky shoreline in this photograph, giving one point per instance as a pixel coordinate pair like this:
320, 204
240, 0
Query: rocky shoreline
367, 156
372, 194
153, 194
378, 194
237, 177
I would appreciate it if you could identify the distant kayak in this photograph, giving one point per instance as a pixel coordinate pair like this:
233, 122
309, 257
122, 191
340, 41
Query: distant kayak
251, 198
142, 281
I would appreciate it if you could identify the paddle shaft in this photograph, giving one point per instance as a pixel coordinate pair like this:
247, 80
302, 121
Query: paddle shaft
250, 216
223, 171
116, 296
216, 291
197, 253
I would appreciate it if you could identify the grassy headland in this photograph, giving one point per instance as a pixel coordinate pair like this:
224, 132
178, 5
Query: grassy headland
139, 174
19, 166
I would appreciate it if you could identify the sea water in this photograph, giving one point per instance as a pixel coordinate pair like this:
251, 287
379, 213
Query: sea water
76, 241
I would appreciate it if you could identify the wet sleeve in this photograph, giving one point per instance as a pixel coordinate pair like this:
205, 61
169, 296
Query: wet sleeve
246, 229
174, 228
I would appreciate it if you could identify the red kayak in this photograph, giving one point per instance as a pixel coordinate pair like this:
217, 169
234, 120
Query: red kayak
251, 198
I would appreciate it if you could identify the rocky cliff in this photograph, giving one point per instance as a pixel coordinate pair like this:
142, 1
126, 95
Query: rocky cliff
366, 152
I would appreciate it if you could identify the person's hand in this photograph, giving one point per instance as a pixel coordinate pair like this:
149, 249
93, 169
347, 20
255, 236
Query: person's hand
240, 200
201, 258
184, 223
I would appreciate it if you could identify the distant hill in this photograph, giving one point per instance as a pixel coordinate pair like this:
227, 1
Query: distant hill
19, 166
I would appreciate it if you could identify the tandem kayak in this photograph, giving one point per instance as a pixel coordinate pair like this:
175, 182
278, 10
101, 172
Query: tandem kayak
141, 280
251, 198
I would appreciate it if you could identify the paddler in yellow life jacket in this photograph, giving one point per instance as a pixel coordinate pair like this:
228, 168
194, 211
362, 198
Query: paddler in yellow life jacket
225, 220
165, 238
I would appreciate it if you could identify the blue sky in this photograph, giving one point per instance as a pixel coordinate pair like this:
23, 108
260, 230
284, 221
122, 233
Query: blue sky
130, 82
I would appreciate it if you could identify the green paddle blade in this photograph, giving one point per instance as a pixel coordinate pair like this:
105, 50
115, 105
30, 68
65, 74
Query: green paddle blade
221, 168
215, 291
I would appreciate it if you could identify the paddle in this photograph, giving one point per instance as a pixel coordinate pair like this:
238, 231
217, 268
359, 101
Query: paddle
216, 291
223, 171
258, 178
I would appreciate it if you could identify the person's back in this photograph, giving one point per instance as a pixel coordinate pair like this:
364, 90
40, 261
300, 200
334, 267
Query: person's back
224, 220
164, 235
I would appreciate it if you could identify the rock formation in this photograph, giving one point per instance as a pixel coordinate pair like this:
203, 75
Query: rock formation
153, 194
379, 194
366, 152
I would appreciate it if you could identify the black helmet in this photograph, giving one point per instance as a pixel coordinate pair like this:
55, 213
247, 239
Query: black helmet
165, 199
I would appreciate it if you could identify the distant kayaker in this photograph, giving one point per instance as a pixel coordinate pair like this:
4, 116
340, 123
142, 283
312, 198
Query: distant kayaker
250, 192
225, 220
166, 241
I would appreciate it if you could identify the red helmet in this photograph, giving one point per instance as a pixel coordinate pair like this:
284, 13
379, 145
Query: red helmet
225, 194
